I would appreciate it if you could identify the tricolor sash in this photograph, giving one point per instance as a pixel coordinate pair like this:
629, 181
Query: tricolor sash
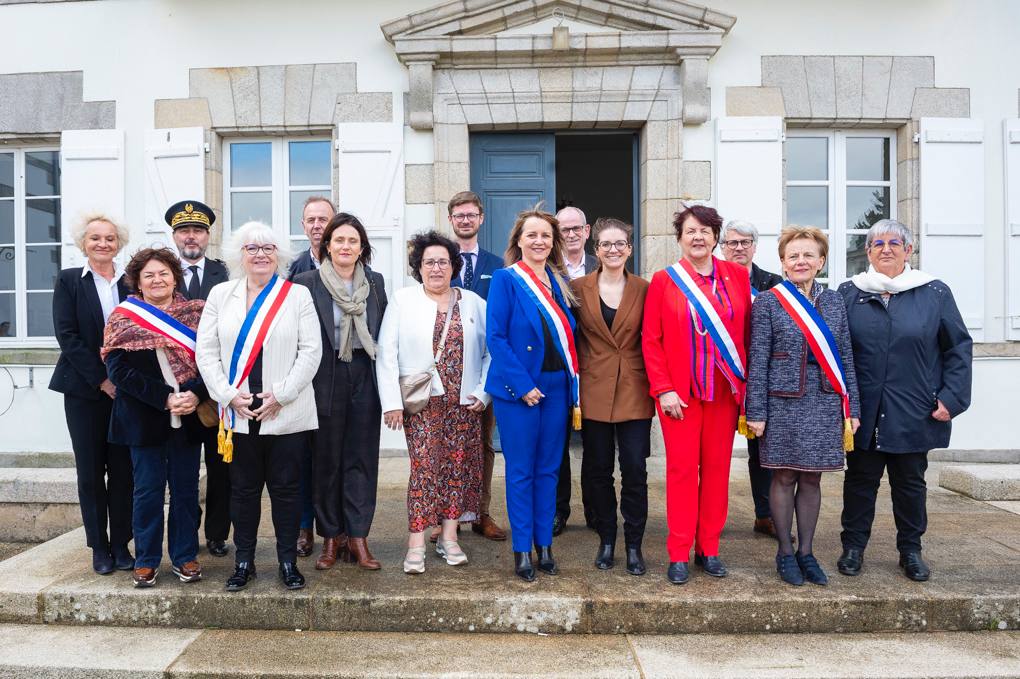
250, 339
823, 346
158, 321
559, 326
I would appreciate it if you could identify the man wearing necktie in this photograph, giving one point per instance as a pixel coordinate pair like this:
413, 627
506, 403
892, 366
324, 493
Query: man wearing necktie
190, 221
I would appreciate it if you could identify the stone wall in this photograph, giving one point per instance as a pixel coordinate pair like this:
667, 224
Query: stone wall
42, 105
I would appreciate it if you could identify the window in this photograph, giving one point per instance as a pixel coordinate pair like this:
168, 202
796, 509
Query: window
29, 241
842, 182
269, 181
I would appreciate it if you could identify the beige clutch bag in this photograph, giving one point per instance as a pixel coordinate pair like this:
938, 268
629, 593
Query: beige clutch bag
416, 389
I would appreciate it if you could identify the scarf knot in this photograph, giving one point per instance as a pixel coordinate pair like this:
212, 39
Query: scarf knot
352, 306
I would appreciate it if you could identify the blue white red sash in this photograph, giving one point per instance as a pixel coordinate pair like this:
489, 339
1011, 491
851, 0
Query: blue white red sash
819, 338
160, 322
709, 317
558, 323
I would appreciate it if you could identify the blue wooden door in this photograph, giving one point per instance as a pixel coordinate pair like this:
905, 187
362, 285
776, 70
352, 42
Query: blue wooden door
511, 172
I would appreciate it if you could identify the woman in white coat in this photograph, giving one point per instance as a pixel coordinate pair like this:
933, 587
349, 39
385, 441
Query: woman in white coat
440, 330
258, 349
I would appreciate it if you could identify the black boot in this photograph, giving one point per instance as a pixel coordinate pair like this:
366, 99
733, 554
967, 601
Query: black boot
102, 562
851, 561
604, 557
244, 572
546, 562
291, 576
677, 573
122, 559
635, 561
523, 567
914, 566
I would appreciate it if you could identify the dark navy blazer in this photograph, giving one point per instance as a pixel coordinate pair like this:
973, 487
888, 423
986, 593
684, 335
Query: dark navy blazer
513, 331
301, 264
485, 264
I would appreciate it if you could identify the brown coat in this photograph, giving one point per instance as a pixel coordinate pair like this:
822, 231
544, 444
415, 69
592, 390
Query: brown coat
614, 386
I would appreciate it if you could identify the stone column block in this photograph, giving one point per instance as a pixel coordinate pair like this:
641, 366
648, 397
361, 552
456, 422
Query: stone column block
789, 75
821, 84
524, 80
908, 73
298, 93
697, 180
272, 95
328, 82
213, 84
365, 107
697, 107
875, 86
849, 72
555, 79
181, 113
754, 101
941, 102
244, 85
419, 183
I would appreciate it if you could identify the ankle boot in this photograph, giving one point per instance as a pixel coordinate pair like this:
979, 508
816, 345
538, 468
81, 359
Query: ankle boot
604, 557
635, 560
330, 549
357, 552
523, 567
546, 562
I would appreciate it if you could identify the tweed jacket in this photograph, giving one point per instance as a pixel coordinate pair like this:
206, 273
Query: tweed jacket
614, 385
290, 355
777, 364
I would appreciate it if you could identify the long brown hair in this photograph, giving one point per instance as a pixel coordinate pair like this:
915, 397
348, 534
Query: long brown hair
555, 262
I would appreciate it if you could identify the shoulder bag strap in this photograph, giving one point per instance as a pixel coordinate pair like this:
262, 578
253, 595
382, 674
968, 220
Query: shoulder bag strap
454, 298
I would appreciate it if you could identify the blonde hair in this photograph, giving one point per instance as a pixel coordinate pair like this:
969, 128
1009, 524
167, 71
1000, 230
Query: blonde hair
255, 233
794, 232
81, 226
513, 252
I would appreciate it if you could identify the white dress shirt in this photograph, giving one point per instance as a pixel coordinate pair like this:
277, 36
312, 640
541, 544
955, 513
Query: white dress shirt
315, 260
187, 271
109, 298
574, 271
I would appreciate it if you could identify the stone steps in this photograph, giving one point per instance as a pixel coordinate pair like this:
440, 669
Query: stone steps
983, 482
61, 652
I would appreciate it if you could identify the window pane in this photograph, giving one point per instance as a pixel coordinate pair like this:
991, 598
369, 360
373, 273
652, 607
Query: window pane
807, 158
6, 221
7, 267
8, 326
42, 217
42, 266
6, 175
40, 314
865, 205
310, 163
808, 206
245, 207
251, 164
42, 173
297, 204
856, 255
299, 245
867, 159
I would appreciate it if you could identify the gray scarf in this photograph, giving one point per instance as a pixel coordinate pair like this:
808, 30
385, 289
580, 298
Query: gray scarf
353, 307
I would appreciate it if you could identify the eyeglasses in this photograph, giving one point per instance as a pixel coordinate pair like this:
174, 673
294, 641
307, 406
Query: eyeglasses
737, 244
608, 245
893, 243
435, 263
571, 230
253, 249
465, 216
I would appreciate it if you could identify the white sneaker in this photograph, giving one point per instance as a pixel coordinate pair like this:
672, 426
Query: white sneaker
414, 561
451, 551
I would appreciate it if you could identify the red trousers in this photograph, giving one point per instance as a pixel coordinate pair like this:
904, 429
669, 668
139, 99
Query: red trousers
698, 452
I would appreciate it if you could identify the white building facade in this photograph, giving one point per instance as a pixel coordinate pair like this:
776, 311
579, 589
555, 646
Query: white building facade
832, 114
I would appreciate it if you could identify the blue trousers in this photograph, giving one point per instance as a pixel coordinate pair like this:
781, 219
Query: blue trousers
175, 463
533, 438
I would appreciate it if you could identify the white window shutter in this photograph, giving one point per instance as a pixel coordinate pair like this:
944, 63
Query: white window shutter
174, 171
952, 212
749, 178
91, 180
370, 178
1011, 138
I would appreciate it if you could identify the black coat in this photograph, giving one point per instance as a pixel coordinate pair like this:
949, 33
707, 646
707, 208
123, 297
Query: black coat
301, 264
140, 417
762, 280
214, 274
907, 356
78, 325
375, 307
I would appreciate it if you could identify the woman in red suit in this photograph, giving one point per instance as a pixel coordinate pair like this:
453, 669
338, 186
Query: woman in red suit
695, 337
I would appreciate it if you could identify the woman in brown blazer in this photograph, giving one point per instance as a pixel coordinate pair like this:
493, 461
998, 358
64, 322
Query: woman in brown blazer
614, 392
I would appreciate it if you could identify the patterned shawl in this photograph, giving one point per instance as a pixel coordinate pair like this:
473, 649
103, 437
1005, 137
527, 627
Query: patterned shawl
123, 333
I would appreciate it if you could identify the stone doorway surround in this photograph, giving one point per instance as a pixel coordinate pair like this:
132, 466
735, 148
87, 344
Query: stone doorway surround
648, 71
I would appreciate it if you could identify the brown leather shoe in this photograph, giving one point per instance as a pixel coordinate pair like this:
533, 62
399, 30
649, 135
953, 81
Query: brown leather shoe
357, 552
765, 527
189, 572
331, 547
305, 542
144, 577
488, 529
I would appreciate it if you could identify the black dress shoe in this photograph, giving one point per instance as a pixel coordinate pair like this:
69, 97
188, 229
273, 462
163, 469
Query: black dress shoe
712, 565
914, 566
789, 570
244, 572
291, 576
523, 567
635, 561
546, 562
604, 557
812, 571
217, 547
677, 572
851, 561
559, 523
102, 562
122, 559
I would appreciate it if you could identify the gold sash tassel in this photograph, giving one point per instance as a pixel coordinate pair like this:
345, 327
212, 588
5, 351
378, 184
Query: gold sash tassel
576, 419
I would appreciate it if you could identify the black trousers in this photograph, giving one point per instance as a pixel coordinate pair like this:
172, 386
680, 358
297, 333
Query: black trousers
347, 452
217, 490
601, 441
761, 479
909, 495
563, 486
105, 478
273, 462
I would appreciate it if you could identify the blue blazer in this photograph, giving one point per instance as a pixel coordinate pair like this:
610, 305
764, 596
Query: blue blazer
485, 265
513, 331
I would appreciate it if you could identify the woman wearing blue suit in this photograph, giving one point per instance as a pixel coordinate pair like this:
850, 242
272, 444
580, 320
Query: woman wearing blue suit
532, 379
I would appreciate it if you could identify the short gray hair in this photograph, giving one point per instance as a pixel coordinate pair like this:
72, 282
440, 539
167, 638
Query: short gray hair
81, 225
890, 226
742, 227
579, 211
255, 233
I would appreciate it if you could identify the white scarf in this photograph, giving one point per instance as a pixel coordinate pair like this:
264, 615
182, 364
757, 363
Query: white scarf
875, 282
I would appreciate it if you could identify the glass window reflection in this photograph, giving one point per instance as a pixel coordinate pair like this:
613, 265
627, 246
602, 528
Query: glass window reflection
40, 314
42, 264
867, 158
42, 220
246, 207
6, 175
8, 324
856, 255
808, 206
865, 205
310, 163
251, 164
7, 221
297, 204
42, 173
807, 158
6, 267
